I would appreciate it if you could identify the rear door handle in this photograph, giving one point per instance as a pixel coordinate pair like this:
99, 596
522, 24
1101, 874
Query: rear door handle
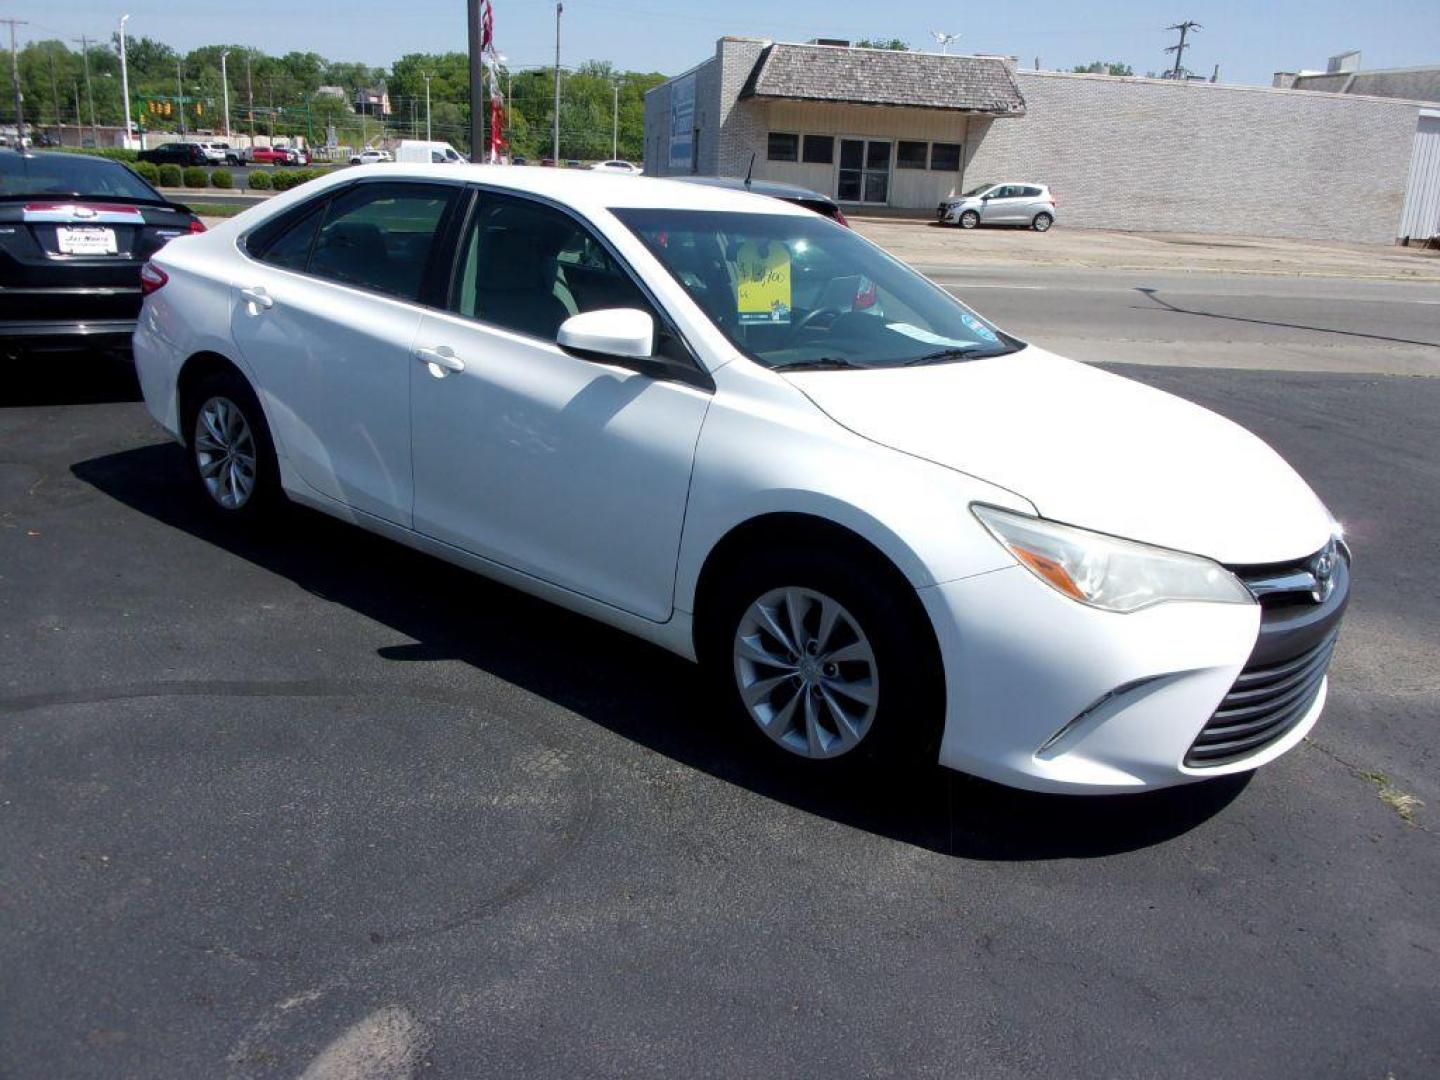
441, 360
258, 297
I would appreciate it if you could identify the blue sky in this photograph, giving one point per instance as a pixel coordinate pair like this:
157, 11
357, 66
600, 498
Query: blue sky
1248, 38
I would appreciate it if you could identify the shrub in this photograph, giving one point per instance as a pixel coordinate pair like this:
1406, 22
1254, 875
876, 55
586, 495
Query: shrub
221, 178
196, 176
170, 175
258, 181
112, 152
147, 171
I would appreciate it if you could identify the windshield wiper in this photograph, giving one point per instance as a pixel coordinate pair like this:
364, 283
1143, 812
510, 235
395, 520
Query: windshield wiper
825, 363
955, 352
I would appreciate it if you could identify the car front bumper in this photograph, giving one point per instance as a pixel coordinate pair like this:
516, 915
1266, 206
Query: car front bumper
1050, 695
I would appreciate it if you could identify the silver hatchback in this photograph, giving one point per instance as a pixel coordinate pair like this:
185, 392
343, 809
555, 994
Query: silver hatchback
1030, 205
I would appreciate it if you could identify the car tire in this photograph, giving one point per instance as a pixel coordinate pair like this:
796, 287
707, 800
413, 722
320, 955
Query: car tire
968, 220
874, 634
230, 454
1042, 223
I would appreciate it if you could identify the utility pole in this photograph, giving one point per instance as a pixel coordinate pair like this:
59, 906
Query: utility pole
225, 90
477, 79
427, 77
89, 90
559, 10
1179, 48
15, 83
124, 84
250, 95
55, 94
180, 92
615, 125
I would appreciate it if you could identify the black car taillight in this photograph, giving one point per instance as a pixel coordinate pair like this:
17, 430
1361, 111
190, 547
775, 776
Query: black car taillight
152, 278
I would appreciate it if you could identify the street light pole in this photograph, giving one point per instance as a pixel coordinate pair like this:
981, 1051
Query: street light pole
559, 10
225, 90
615, 126
180, 92
427, 77
124, 83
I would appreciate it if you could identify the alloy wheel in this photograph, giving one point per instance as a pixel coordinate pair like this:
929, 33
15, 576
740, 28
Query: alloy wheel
225, 452
806, 672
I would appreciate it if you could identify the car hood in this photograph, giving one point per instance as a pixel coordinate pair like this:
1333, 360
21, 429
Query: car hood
1088, 448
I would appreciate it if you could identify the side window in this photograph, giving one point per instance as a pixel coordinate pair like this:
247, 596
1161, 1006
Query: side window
1031, 192
291, 249
527, 267
781, 146
911, 155
945, 157
819, 150
378, 236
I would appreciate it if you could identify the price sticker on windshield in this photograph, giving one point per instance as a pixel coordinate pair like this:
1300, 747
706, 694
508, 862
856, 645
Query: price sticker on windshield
763, 270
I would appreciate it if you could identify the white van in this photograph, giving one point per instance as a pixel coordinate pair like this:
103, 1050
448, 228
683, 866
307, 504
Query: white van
420, 152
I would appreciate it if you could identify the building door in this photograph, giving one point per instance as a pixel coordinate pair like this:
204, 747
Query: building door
864, 173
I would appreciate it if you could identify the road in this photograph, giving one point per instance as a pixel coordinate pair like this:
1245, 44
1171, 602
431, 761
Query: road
1252, 321
312, 801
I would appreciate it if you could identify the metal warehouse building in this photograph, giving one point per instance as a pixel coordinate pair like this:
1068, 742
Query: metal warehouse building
900, 130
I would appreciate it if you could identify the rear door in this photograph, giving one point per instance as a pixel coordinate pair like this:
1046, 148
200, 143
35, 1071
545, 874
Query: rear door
326, 316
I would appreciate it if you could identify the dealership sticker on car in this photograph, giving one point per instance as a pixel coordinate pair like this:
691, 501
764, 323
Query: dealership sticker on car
764, 293
980, 329
86, 240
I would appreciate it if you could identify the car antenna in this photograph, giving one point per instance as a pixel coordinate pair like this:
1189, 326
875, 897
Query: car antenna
751, 169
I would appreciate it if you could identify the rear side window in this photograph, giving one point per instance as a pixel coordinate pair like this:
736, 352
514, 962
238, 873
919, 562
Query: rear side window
1032, 192
291, 249
378, 236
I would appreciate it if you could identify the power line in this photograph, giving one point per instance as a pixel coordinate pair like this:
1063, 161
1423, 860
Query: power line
1179, 47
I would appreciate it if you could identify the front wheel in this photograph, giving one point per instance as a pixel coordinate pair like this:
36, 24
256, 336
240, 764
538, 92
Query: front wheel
969, 219
1042, 222
821, 659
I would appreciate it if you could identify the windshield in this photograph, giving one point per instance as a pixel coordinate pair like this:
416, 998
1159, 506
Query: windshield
70, 174
796, 291
976, 191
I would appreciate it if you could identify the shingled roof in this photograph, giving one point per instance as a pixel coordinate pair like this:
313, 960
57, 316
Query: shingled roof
883, 77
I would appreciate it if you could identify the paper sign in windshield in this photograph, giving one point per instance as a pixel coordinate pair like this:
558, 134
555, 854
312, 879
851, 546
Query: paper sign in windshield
764, 286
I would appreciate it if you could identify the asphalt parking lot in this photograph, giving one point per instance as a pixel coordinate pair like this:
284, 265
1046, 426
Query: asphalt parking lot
312, 804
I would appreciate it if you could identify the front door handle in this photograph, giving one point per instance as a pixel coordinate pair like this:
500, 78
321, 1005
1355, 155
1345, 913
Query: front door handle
258, 298
441, 360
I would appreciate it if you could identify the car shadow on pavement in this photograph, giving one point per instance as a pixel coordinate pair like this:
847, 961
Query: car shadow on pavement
639, 691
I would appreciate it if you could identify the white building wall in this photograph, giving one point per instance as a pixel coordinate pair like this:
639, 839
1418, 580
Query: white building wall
1200, 157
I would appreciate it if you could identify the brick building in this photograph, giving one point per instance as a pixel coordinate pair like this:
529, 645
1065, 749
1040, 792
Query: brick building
898, 130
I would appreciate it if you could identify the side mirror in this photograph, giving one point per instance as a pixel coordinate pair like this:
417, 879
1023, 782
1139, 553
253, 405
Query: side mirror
613, 333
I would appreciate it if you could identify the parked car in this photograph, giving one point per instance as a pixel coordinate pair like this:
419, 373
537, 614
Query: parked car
278, 155
548, 161
519, 159
370, 157
220, 153
791, 193
176, 153
1030, 205
74, 232
423, 152
296, 155
900, 535
624, 168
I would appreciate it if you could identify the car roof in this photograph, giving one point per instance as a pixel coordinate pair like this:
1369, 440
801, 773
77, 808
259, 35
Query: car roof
585, 189
773, 188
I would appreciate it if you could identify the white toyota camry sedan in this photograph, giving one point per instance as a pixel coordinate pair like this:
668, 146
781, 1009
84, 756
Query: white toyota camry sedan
740, 431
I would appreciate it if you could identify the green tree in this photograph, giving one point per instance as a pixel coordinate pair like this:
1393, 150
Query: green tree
1103, 67
893, 44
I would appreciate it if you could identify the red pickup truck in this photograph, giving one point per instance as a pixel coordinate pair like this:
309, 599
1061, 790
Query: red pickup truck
278, 155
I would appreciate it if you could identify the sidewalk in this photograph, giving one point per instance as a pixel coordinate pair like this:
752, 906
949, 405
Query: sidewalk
931, 247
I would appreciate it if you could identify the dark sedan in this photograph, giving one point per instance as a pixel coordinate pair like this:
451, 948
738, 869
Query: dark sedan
74, 232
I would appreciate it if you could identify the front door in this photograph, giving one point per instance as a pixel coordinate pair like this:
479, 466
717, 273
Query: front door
1005, 205
567, 469
864, 172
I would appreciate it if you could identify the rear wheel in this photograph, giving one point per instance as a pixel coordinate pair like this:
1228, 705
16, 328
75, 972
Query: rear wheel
1042, 222
820, 659
969, 219
232, 459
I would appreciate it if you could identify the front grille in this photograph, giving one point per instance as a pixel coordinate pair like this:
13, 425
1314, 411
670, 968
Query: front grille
1266, 701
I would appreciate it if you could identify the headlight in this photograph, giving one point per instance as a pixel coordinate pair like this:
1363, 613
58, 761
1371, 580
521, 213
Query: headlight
1105, 572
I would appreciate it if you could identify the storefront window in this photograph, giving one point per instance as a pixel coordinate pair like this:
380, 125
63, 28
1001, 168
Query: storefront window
911, 155
945, 157
783, 147
819, 149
